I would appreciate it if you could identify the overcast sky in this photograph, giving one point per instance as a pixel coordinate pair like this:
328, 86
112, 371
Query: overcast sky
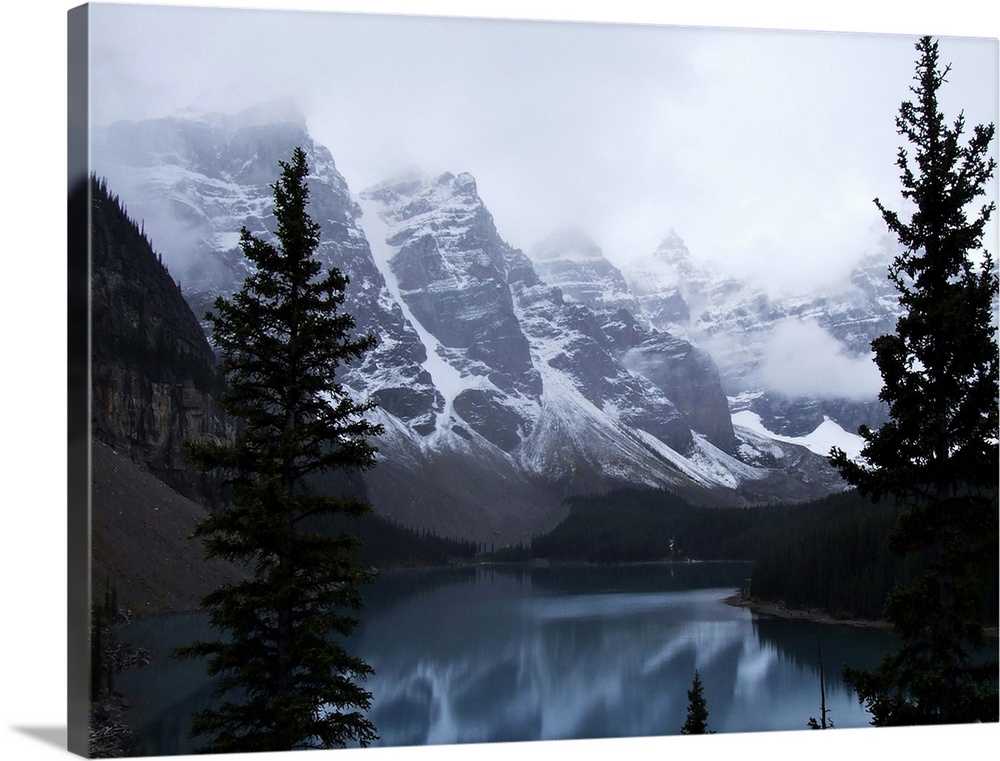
762, 149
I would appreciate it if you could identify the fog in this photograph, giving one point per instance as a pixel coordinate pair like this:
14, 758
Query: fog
762, 149
801, 359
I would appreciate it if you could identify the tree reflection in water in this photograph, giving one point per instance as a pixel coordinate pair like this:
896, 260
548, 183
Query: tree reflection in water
509, 653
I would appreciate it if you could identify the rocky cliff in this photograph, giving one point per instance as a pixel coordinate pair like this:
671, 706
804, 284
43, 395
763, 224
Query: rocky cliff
684, 374
795, 359
504, 384
153, 373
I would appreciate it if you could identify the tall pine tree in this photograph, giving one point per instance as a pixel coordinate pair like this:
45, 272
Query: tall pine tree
937, 455
281, 663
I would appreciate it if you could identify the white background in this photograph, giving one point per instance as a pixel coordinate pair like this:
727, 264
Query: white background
32, 276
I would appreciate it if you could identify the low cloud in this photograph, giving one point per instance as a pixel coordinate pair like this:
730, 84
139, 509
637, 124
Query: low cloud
802, 359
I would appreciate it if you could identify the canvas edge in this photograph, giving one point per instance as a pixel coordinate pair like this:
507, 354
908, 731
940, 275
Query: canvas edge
78, 383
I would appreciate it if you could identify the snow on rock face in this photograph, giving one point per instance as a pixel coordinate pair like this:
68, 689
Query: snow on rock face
689, 377
503, 385
197, 181
450, 267
575, 264
579, 407
821, 440
751, 335
661, 365
568, 338
665, 280
482, 310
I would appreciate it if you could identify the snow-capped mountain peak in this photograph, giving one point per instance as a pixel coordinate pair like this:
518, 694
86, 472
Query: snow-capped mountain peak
504, 383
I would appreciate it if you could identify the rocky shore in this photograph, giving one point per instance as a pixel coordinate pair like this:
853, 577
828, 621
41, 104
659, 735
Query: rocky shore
814, 614
109, 732
805, 614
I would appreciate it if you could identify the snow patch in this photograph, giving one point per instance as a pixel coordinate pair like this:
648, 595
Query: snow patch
446, 378
826, 435
706, 464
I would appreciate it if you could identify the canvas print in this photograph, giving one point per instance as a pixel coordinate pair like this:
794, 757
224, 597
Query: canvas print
439, 381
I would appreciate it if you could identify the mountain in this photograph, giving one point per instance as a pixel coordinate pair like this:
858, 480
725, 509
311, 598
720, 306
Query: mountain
153, 382
197, 180
796, 360
153, 373
687, 376
502, 389
575, 264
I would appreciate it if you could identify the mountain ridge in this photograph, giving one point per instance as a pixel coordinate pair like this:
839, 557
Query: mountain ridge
501, 391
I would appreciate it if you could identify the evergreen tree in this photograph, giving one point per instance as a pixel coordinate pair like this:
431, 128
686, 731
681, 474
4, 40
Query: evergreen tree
937, 455
282, 338
697, 715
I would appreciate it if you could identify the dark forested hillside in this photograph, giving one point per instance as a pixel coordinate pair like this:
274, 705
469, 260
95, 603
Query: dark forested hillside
840, 561
830, 553
385, 543
648, 525
153, 377
836, 559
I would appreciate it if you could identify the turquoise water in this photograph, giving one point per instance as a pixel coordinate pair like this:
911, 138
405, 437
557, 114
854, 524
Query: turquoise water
508, 653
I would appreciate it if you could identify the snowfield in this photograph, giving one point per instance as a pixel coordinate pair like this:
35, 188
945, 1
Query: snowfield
826, 435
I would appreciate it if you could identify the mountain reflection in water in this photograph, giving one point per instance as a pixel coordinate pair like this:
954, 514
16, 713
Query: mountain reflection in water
501, 654
508, 653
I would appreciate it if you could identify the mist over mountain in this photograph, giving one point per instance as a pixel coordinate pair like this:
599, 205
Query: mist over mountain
795, 359
507, 382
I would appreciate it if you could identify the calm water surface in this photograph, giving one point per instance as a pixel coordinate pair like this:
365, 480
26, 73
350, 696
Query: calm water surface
507, 653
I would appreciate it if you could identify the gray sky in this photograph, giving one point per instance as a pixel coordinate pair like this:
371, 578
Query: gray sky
762, 149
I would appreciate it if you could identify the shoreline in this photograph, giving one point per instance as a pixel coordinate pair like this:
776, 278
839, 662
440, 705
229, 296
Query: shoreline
779, 610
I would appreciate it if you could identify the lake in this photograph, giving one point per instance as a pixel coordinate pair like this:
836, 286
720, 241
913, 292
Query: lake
510, 653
